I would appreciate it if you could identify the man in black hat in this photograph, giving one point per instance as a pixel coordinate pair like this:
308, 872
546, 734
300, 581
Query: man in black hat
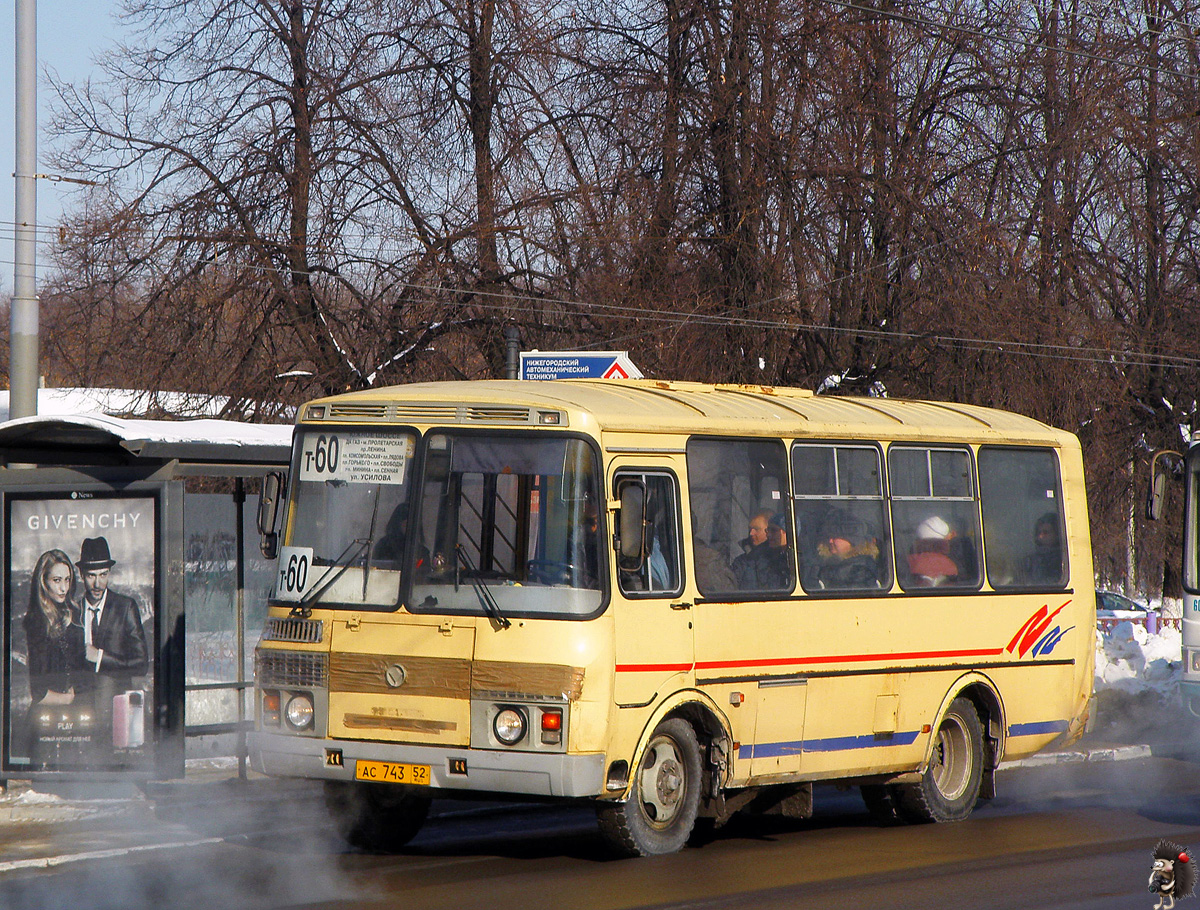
112, 624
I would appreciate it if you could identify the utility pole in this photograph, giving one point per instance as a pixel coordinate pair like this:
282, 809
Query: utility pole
23, 331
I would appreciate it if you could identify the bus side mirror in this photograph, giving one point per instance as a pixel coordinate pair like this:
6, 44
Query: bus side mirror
1156, 495
269, 501
632, 526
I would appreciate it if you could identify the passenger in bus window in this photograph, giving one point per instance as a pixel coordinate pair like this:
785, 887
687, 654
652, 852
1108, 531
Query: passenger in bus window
655, 573
848, 553
757, 532
778, 549
1044, 565
777, 531
929, 562
759, 568
656, 563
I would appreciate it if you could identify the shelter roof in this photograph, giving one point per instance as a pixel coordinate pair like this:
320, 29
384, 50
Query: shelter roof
101, 439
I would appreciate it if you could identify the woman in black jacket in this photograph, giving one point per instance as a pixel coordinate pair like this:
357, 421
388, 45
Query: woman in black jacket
53, 632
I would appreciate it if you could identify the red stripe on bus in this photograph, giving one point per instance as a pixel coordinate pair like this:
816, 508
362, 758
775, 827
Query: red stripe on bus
784, 661
845, 658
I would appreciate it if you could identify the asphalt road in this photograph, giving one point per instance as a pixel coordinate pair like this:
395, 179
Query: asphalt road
1060, 837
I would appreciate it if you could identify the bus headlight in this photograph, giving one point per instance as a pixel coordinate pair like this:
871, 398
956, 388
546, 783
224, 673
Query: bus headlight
299, 712
509, 726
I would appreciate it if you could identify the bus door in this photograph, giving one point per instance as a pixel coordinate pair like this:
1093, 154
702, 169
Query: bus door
653, 619
749, 631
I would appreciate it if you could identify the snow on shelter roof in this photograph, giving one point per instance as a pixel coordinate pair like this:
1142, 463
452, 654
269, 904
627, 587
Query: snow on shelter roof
60, 402
77, 426
204, 440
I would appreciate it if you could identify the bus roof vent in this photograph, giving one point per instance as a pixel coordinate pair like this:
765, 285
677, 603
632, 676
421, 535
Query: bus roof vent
497, 414
436, 412
346, 411
426, 413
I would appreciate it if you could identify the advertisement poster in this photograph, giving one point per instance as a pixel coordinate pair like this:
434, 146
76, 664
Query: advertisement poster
80, 614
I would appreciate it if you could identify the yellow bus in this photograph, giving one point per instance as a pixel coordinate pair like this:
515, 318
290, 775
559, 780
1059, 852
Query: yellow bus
676, 600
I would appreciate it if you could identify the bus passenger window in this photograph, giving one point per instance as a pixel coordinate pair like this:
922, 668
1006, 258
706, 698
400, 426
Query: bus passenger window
841, 523
935, 517
1023, 528
739, 496
656, 573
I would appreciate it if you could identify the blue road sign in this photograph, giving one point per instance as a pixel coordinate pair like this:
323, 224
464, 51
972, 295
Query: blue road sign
578, 365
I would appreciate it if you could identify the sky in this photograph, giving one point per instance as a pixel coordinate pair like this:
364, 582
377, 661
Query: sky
71, 33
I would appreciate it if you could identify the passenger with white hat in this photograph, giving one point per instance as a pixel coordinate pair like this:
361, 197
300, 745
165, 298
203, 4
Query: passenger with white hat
930, 562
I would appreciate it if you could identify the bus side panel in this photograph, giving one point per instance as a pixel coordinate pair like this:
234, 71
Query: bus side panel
730, 637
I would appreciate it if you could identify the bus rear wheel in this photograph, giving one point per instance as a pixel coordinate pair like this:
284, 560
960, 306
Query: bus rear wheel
949, 788
379, 818
664, 797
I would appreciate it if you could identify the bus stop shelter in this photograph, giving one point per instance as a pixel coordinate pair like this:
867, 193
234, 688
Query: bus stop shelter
157, 507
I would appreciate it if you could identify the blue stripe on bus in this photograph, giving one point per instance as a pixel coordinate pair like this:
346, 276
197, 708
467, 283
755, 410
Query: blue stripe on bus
835, 744
1043, 726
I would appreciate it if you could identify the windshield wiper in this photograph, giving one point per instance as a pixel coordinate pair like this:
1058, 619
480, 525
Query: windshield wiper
490, 607
304, 609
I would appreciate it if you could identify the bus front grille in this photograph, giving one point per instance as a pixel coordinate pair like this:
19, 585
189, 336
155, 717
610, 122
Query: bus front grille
288, 669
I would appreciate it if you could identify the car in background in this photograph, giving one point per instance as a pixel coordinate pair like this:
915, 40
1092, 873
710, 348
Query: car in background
1113, 608
1111, 605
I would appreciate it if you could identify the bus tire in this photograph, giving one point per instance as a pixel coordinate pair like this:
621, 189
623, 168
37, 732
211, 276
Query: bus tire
378, 818
664, 797
949, 788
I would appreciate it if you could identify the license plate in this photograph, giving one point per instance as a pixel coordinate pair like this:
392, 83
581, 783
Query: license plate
391, 772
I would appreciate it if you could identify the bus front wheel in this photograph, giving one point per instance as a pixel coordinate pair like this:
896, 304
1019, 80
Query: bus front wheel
379, 818
949, 788
664, 797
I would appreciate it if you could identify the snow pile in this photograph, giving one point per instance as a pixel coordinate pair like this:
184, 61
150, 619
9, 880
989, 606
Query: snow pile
1131, 660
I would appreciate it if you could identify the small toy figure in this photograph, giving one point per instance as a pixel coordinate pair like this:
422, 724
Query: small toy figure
1173, 874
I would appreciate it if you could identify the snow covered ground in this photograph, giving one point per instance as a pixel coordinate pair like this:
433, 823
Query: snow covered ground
1131, 659
1137, 687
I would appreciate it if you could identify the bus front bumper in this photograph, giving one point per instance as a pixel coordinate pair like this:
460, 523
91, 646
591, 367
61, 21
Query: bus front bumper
487, 771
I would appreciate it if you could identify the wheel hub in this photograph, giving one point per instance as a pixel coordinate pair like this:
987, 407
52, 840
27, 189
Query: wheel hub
669, 783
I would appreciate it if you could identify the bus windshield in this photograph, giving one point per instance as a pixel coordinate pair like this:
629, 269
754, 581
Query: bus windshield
510, 525
349, 519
